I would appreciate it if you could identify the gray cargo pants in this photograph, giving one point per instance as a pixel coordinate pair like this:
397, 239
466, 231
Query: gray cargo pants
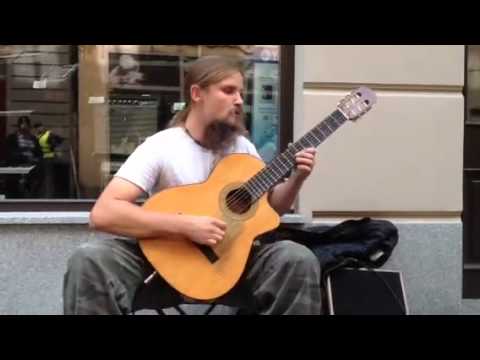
103, 276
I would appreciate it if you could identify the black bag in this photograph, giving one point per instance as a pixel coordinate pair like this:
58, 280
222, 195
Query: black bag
354, 243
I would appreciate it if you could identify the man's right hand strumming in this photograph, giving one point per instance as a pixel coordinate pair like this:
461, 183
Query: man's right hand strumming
204, 230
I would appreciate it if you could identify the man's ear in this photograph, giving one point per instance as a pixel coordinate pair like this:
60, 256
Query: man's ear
195, 93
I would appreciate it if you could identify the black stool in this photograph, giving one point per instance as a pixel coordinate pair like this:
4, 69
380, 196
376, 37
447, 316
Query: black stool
148, 297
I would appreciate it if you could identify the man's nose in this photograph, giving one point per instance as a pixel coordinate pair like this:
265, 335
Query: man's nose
239, 99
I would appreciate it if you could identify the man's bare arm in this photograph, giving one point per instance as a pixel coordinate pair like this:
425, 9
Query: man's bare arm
283, 195
116, 212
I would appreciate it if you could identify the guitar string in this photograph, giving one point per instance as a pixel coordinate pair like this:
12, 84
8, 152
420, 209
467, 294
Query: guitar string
244, 195
251, 189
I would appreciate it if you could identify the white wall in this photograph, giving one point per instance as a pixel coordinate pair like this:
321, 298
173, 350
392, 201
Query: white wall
406, 154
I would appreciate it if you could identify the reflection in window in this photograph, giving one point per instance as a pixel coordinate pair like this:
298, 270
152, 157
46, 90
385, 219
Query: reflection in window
90, 106
37, 123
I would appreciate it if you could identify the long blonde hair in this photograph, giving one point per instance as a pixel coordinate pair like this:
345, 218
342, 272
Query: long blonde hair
206, 71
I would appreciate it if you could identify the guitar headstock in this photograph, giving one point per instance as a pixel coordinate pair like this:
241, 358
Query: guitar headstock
357, 103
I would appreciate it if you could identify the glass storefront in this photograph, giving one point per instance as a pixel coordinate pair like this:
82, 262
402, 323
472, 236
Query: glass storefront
70, 115
473, 82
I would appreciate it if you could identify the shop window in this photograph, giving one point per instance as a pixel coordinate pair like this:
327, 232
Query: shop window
99, 102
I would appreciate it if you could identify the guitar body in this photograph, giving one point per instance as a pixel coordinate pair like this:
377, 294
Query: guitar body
183, 264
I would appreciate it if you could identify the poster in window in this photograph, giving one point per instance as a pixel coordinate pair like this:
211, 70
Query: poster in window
265, 109
144, 71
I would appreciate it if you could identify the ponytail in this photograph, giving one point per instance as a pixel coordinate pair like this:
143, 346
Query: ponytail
180, 117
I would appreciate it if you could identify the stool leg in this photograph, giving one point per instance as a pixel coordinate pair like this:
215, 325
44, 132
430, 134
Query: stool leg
180, 310
209, 310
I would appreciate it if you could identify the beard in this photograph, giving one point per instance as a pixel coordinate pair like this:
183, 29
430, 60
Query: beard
220, 135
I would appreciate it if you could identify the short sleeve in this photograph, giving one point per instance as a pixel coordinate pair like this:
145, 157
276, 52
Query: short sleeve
249, 147
142, 167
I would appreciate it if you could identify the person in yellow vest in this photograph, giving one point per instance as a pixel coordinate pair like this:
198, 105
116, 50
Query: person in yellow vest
48, 141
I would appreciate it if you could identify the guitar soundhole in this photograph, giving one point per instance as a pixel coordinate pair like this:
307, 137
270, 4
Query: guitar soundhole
239, 201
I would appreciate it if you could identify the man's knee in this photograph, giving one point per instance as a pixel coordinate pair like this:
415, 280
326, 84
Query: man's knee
295, 254
88, 255
89, 287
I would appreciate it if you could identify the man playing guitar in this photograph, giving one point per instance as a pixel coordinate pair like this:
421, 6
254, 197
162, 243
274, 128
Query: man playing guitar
282, 277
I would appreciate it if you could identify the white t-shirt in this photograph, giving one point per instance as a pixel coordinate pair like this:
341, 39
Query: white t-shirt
172, 158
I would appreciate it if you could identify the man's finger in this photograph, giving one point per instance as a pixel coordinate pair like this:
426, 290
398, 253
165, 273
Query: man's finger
304, 168
211, 242
219, 233
305, 156
222, 225
305, 161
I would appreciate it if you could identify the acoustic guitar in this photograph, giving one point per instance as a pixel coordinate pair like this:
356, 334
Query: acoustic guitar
236, 192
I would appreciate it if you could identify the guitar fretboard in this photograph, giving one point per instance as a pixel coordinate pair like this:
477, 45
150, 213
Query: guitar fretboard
275, 171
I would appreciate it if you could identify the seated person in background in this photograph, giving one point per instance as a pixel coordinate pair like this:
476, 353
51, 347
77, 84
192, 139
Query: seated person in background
23, 150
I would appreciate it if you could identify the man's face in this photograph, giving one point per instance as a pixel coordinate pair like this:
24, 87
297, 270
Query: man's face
223, 101
24, 127
221, 107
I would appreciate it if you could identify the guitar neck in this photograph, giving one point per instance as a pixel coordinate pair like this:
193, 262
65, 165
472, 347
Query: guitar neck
282, 164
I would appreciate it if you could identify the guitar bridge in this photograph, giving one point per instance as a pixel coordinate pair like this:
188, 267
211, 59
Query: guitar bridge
208, 252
